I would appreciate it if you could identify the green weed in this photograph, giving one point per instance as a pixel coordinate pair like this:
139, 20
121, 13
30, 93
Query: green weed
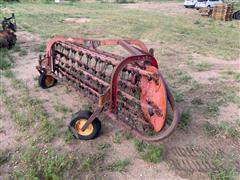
125, 1
17, 48
153, 154
148, 152
41, 162
213, 107
221, 98
197, 101
197, 22
23, 52
185, 120
195, 85
223, 174
87, 163
234, 74
185, 79
119, 165
222, 170
179, 97
203, 66
4, 156
222, 128
5, 61
48, 130
118, 137
104, 147
68, 137
140, 145
189, 61
62, 108
211, 129
128, 135
8, 73
42, 47
90, 162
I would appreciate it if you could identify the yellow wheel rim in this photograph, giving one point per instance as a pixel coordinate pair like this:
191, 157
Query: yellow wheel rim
49, 81
78, 126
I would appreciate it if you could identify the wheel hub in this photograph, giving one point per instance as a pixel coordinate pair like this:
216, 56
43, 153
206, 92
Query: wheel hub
78, 126
49, 81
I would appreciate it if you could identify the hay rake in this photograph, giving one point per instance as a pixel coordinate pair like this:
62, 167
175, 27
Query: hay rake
130, 90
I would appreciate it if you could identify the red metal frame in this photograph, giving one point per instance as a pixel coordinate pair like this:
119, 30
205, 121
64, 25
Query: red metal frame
138, 59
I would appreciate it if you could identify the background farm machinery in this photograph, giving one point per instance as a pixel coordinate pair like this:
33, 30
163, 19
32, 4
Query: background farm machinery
128, 89
7, 34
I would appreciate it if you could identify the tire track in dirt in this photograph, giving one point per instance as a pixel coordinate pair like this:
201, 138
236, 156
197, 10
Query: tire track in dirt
201, 158
191, 159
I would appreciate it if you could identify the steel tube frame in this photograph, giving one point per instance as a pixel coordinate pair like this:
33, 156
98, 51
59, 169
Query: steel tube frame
139, 55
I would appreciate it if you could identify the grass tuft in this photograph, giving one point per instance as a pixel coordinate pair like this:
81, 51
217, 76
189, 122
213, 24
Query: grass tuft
42, 47
203, 66
104, 147
234, 74
223, 129
223, 174
148, 152
128, 135
185, 79
119, 166
42, 162
179, 97
197, 101
185, 120
8, 73
213, 107
5, 61
62, 108
210, 129
153, 154
118, 137
68, 137
4, 156
140, 145
223, 170
90, 162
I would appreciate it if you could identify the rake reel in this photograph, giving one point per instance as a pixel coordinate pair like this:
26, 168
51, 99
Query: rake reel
130, 90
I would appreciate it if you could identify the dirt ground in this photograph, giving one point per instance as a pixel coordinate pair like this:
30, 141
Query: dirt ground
188, 154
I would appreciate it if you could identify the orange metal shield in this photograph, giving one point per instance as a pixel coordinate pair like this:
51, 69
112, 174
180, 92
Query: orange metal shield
153, 93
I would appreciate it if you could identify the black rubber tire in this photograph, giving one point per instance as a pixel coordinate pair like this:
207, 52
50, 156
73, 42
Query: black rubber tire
42, 82
7, 40
4, 42
85, 115
12, 41
236, 15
